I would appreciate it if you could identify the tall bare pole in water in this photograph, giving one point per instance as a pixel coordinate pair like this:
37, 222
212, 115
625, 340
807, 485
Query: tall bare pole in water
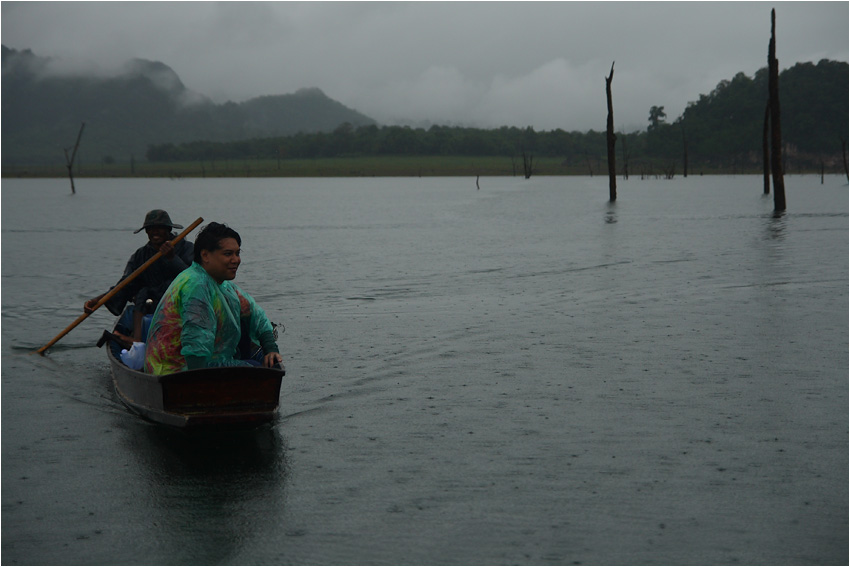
70, 160
775, 128
765, 148
611, 139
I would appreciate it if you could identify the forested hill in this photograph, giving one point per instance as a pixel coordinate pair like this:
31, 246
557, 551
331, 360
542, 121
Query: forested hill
722, 131
728, 122
147, 113
146, 104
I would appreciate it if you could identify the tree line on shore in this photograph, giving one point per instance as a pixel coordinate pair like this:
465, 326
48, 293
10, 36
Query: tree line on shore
722, 131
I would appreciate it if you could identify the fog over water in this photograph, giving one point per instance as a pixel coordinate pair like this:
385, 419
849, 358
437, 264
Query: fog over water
521, 374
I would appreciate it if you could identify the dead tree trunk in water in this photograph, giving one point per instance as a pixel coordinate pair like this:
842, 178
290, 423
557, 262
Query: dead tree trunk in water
765, 148
527, 161
69, 161
685, 151
612, 139
844, 156
775, 127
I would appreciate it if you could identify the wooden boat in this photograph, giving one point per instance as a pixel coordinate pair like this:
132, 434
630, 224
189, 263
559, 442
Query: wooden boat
241, 395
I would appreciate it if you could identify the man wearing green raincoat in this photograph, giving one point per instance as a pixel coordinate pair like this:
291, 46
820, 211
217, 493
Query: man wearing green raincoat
203, 316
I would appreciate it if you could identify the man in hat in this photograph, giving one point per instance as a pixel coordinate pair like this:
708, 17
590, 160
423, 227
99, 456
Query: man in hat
152, 283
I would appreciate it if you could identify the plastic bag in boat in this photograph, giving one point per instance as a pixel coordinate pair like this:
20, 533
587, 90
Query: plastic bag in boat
135, 357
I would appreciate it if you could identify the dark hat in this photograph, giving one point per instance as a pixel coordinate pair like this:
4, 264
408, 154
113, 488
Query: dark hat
157, 217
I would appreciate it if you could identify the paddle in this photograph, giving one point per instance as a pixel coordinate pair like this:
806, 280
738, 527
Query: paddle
118, 287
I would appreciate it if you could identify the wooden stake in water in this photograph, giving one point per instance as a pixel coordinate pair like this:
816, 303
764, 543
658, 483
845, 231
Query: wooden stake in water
70, 160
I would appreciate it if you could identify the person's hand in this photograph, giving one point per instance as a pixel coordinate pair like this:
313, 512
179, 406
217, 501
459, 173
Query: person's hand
271, 359
88, 306
167, 250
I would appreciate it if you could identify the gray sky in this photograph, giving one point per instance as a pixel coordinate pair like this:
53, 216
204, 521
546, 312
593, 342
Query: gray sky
484, 64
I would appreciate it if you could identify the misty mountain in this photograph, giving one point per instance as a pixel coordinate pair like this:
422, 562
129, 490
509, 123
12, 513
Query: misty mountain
145, 103
723, 131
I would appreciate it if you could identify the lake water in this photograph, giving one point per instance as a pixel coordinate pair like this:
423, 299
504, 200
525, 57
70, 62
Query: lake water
521, 374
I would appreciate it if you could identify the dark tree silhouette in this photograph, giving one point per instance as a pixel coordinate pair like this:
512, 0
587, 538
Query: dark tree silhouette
775, 126
527, 164
656, 117
69, 160
765, 148
625, 158
611, 139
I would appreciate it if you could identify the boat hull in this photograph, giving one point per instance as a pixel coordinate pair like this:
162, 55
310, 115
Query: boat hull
231, 396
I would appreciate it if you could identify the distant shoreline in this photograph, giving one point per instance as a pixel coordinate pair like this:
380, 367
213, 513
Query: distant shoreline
422, 166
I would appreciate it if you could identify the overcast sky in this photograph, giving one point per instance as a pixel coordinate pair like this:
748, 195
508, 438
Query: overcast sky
483, 64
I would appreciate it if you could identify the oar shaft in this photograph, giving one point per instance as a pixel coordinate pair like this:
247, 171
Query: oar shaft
120, 286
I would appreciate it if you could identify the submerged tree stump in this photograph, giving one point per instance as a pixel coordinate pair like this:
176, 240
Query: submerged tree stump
527, 164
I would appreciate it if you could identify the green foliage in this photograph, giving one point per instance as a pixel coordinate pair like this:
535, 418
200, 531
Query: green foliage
656, 117
723, 131
820, 115
144, 112
347, 141
725, 127
146, 104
